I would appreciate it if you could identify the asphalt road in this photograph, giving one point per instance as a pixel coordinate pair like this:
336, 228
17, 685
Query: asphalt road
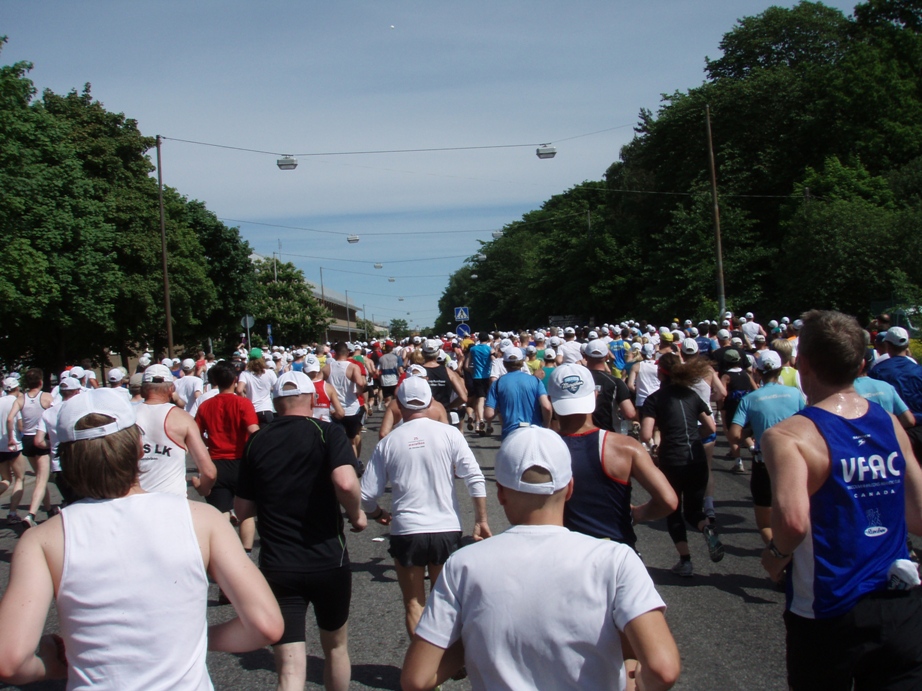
726, 619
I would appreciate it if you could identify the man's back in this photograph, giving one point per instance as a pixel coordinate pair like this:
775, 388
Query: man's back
286, 470
516, 397
481, 360
906, 377
514, 637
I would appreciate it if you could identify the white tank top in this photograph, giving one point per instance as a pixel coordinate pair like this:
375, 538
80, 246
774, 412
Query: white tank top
31, 413
344, 386
647, 380
6, 405
163, 466
133, 596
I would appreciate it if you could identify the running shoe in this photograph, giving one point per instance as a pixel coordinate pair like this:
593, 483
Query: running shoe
481, 428
715, 546
13, 517
738, 468
683, 568
489, 429
470, 424
29, 521
54, 511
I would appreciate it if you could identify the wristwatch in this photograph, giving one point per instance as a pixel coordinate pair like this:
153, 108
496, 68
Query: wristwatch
777, 553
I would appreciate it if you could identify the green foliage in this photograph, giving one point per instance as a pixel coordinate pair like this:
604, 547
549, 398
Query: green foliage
79, 212
817, 129
399, 328
283, 299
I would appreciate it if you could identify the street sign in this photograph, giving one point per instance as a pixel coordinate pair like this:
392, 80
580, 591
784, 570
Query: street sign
248, 321
463, 330
462, 314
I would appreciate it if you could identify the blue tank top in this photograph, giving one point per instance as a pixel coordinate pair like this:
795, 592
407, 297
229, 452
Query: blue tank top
600, 505
481, 360
857, 517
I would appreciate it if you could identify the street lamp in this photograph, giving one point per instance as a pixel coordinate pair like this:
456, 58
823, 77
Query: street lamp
391, 279
379, 266
287, 163
497, 234
352, 239
546, 151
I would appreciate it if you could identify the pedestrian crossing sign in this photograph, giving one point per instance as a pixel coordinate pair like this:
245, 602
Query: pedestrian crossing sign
462, 314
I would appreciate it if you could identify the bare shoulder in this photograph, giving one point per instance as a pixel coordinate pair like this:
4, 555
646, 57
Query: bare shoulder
204, 515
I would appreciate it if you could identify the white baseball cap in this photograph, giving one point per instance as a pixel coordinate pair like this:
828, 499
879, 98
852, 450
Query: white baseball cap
70, 384
416, 370
188, 364
527, 447
512, 354
571, 389
550, 354
144, 360
311, 364
158, 374
103, 401
768, 361
596, 348
689, 346
431, 346
77, 372
896, 335
10, 383
303, 385
115, 375
414, 393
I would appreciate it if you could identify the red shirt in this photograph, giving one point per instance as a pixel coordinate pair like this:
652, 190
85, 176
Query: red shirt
223, 421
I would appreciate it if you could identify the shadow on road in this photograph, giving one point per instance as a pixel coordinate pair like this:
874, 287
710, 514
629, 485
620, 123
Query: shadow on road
737, 585
377, 567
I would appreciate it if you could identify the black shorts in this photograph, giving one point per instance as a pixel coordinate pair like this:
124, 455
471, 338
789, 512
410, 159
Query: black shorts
480, 388
29, 449
329, 591
389, 391
878, 644
422, 549
353, 423
225, 487
265, 417
7, 456
760, 485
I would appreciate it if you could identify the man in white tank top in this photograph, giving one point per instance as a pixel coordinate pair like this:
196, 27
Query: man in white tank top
123, 625
168, 433
348, 380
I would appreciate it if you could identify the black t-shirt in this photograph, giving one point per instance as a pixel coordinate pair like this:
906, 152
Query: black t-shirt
676, 410
612, 391
286, 469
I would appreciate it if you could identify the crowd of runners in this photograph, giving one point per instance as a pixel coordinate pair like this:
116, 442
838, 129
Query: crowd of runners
820, 413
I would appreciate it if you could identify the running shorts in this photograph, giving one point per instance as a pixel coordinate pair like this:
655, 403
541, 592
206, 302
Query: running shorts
760, 485
353, 423
7, 456
225, 487
329, 591
388, 391
421, 549
481, 387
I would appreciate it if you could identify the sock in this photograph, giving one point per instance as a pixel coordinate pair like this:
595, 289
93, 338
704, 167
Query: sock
709, 503
684, 557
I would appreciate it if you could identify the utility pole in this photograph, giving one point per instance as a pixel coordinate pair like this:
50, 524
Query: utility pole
166, 275
721, 297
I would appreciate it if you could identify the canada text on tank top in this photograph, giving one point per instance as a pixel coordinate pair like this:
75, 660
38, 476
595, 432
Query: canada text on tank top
858, 526
600, 505
321, 401
32, 411
344, 386
163, 466
438, 382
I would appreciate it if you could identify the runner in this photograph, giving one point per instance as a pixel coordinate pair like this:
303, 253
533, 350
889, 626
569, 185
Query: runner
346, 377
29, 408
12, 462
760, 410
478, 364
485, 600
421, 459
124, 625
517, 397
603, 465
840, 525
167, 433
256, 383
677, 410
614, 410
296, 477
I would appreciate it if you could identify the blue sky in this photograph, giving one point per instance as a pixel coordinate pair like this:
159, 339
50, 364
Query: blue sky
310, 77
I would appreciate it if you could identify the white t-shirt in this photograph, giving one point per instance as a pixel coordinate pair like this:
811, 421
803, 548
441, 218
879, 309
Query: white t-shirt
539, 607
571, 351
186, 387
6, 405
421, 459
259, 389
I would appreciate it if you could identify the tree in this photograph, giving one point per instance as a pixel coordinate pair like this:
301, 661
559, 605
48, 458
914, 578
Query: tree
284, 301
399, 328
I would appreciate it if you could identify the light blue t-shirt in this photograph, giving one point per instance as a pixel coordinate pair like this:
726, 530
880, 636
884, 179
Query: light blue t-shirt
882, 393
516, 396
767, 406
